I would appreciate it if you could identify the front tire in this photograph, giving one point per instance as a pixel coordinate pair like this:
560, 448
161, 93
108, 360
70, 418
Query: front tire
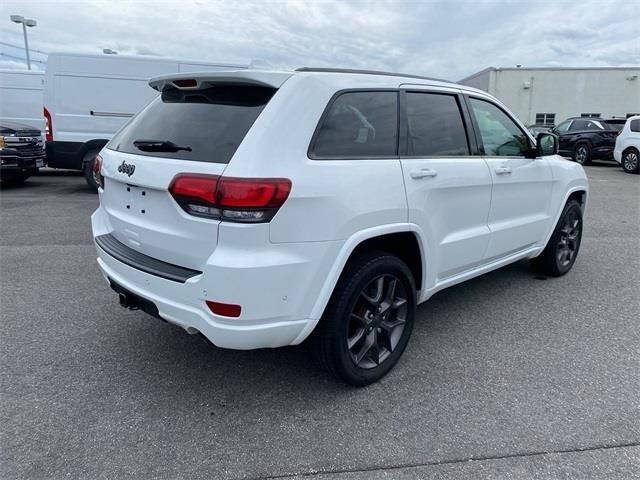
87, 168
582, 154
369, 319
562, 250
631, 161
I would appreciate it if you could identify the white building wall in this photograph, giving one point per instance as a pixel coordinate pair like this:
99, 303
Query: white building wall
565, 92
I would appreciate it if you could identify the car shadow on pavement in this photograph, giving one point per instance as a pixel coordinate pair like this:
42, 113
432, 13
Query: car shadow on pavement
163, 354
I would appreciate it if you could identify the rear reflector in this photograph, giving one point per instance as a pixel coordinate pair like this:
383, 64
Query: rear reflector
246, 200
224, 309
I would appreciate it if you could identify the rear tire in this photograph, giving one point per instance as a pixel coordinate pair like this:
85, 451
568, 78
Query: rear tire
562, 250
631, 160
582, 154
368, 321
87, 168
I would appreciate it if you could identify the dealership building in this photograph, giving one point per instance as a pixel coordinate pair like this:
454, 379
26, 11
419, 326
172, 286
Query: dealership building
547, 96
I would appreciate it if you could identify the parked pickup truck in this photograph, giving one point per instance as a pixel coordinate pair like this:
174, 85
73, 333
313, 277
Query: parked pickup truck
21, 151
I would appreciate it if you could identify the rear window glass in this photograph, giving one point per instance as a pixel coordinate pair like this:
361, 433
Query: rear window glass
615, 125
205, 125
435, 125
359, 125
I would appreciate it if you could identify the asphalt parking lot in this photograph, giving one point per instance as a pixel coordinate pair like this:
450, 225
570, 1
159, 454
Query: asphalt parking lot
506, 376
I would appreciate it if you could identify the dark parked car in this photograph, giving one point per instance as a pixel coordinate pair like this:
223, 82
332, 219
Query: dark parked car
537, 129
21, 151
586, 139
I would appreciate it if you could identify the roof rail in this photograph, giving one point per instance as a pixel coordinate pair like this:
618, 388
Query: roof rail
366, 72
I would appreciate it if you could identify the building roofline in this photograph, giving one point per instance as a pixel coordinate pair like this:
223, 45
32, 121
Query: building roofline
551, 69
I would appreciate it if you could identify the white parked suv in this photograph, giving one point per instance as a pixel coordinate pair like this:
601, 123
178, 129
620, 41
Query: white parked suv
627, 149
261, 208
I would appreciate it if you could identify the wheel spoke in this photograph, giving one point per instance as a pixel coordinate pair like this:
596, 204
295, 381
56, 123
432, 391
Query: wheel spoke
390, 325
361, 320
376, 299
366, 346
391, 290
359, 335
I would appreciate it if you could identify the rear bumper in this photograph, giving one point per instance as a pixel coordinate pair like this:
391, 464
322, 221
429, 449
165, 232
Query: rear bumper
276, 285
617, 155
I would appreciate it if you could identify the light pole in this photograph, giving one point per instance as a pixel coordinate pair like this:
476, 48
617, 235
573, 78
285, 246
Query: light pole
26, 22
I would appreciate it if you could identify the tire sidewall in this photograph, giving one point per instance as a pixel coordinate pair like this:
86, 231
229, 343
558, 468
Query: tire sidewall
588, 154
573, 205
87, 168
627, 152
384, 264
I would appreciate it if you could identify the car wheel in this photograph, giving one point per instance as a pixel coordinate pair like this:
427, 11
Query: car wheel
87, 168
368, 321
562, 250
630, 161
582, 154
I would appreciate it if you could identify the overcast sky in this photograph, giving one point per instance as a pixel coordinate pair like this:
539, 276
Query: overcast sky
447, 39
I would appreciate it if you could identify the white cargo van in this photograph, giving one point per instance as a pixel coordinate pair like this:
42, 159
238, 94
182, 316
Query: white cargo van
87, 98
21, 97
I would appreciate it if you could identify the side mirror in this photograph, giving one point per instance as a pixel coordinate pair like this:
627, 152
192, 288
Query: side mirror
546, 144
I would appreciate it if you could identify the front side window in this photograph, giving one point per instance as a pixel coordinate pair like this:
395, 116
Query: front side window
563, 127
500, 135
435, 126
358, 125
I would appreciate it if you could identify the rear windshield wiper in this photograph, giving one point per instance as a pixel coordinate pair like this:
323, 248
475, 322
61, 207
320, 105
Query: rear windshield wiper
159, 146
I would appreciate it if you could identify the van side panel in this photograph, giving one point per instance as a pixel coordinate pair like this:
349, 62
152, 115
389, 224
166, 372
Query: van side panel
89, 97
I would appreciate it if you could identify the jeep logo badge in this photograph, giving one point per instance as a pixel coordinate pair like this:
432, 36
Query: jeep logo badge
126, 168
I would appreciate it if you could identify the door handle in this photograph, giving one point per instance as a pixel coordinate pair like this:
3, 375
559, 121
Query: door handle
503, 170
423, 173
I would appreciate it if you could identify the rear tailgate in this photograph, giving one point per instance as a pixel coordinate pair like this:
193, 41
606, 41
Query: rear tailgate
145, 217
183, 131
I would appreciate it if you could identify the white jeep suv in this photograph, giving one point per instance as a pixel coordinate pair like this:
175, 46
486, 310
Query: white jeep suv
261, 208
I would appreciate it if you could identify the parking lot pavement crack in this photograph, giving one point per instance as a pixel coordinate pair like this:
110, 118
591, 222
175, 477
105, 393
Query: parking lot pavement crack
311, 474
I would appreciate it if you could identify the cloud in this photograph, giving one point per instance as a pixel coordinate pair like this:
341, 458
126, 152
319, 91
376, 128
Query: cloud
448, 39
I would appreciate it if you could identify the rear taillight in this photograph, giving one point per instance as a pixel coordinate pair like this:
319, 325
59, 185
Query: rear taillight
246, 200
48, 125
97, 171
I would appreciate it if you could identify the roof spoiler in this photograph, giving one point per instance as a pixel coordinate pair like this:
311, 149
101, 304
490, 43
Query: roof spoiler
199, 80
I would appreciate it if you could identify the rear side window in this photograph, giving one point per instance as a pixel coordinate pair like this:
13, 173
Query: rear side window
579, 125
635, 125
204, 125
358, 125
435, 126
